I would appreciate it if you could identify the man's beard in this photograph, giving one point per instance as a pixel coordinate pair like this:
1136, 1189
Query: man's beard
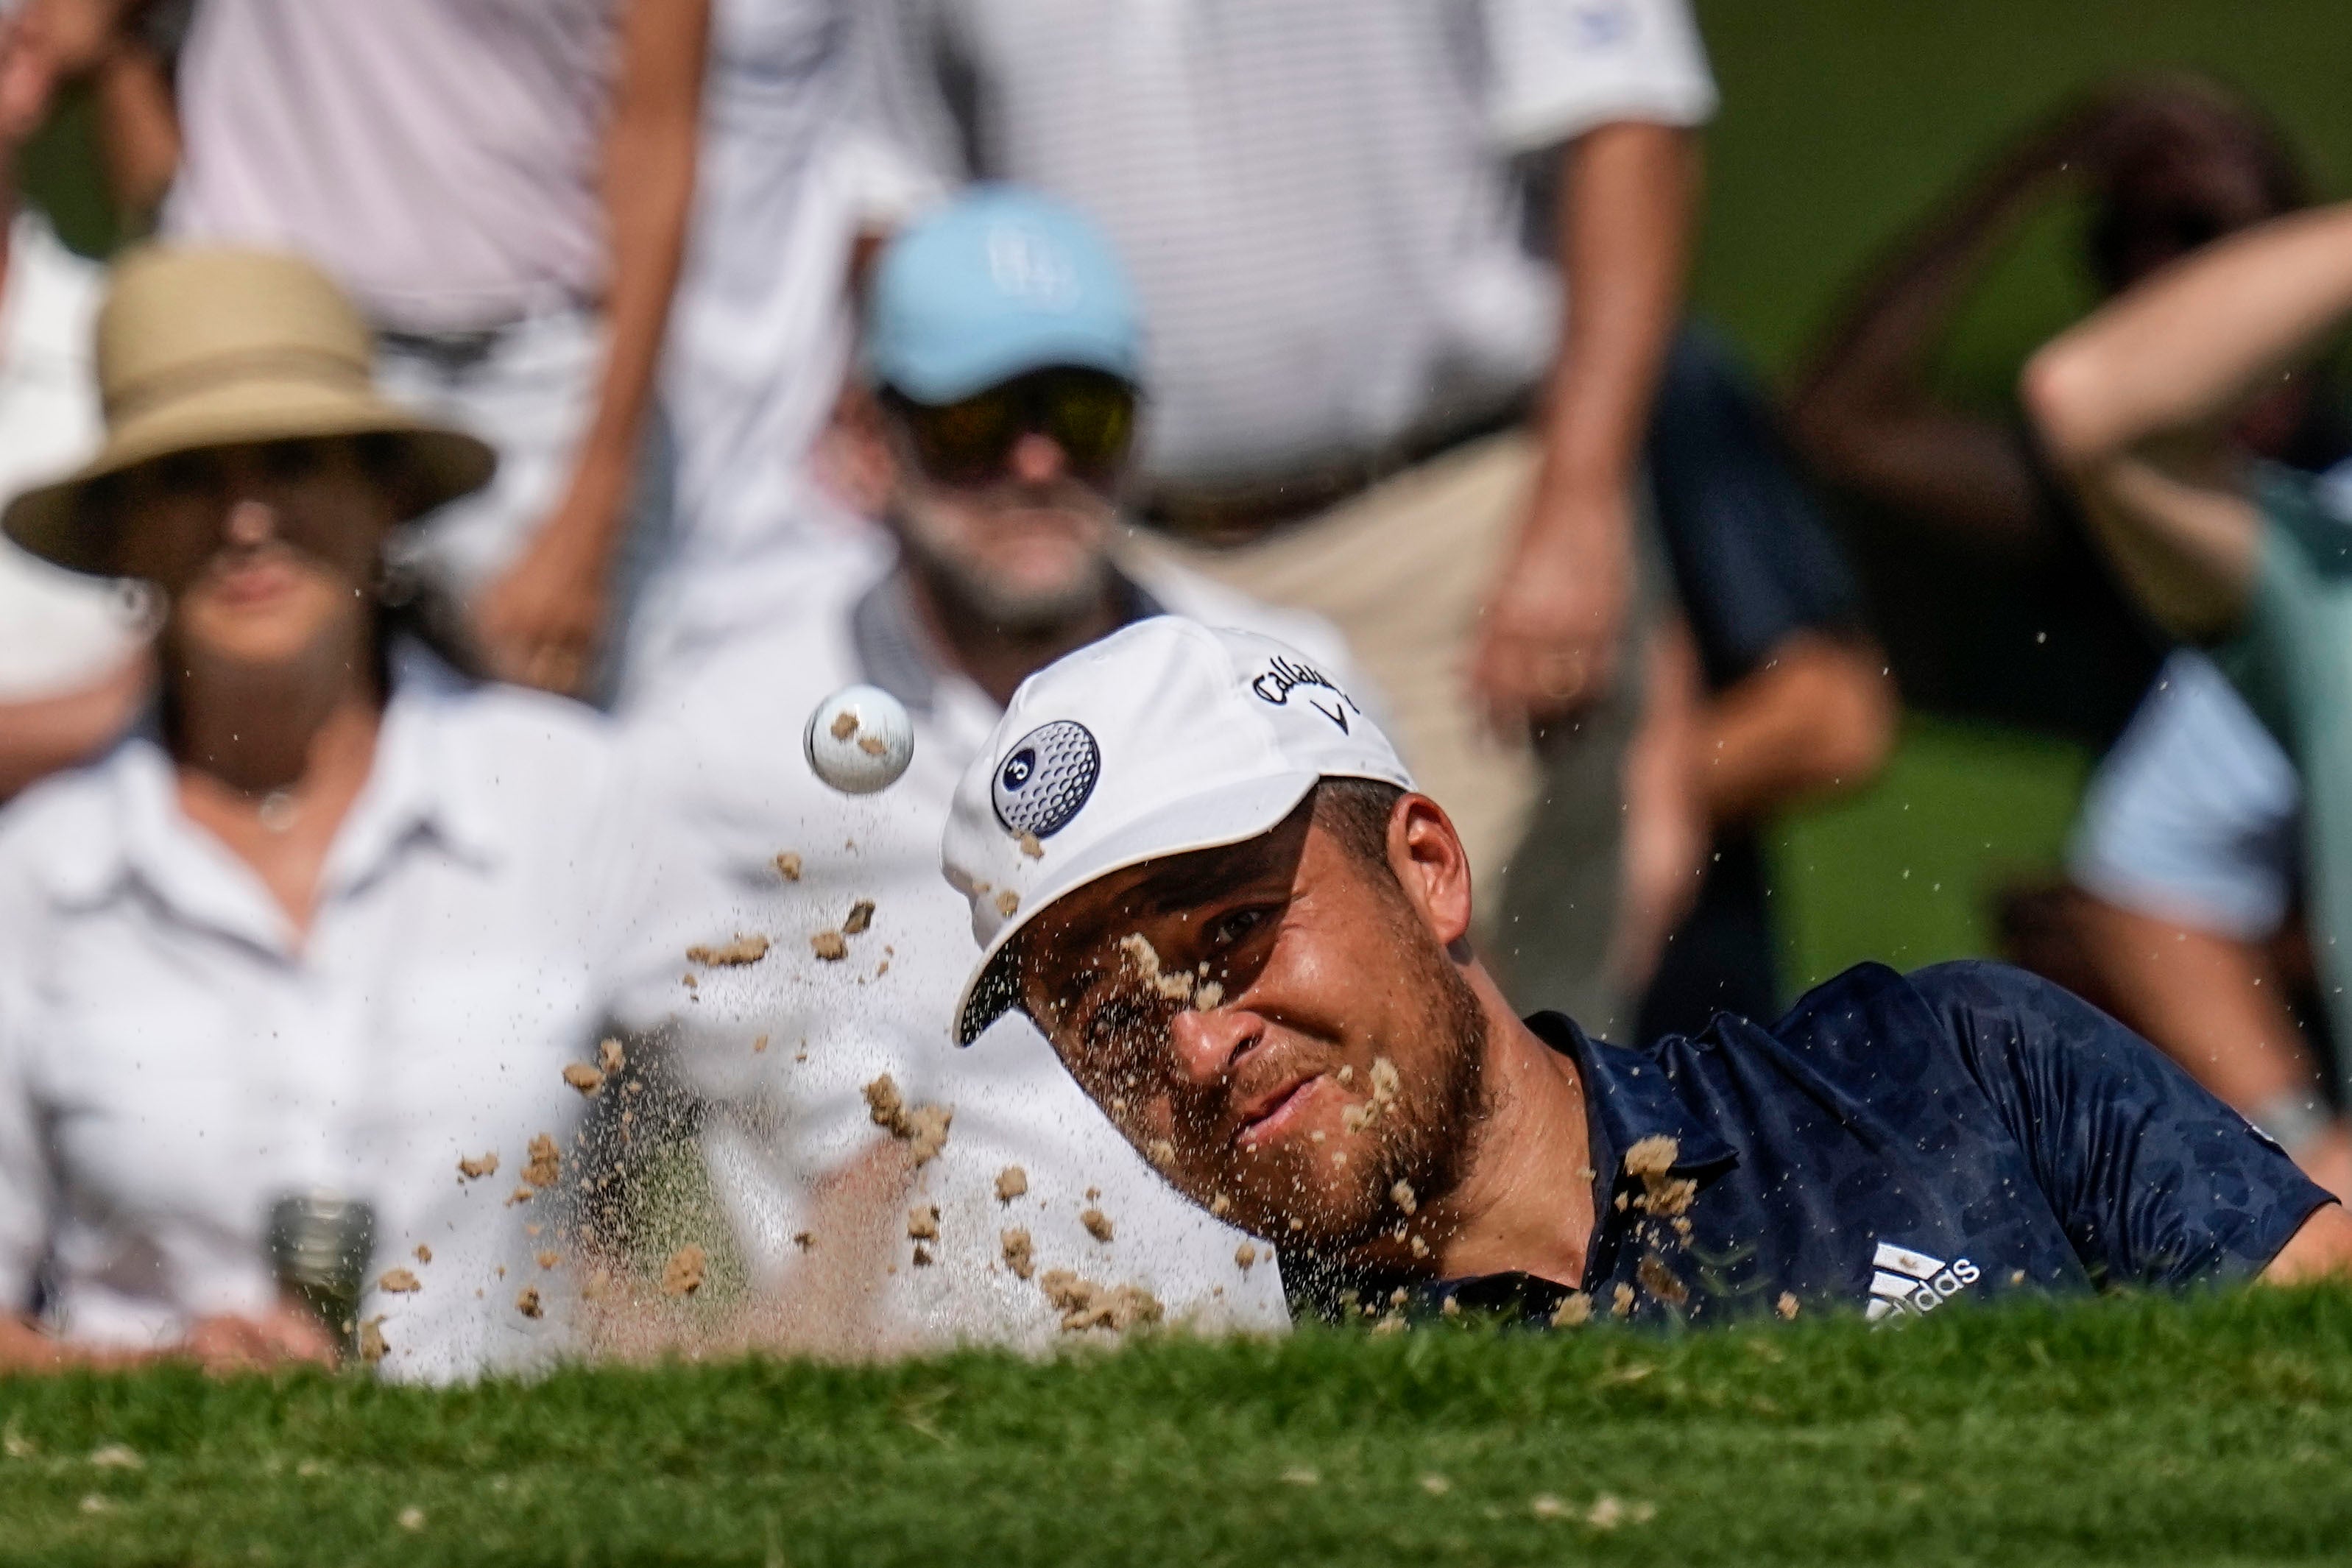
972, 594
1427, 1135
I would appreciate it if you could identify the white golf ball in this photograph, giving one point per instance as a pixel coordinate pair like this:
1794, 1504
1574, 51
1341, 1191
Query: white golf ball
859, 740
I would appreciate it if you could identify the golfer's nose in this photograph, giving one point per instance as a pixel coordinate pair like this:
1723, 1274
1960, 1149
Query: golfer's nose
1205, 1043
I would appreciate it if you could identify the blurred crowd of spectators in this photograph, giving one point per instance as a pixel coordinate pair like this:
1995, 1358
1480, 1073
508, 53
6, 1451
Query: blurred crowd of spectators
688, 359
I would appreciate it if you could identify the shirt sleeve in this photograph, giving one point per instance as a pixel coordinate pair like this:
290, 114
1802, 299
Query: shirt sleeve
2194, 815
2155, 1182
1559, 68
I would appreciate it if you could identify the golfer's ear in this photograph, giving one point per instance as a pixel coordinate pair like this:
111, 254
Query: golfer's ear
1427, 857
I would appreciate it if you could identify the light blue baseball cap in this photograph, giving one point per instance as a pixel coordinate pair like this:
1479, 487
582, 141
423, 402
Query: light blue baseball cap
999, 282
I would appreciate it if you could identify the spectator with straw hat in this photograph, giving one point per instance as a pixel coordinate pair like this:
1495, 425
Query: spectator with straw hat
332, 923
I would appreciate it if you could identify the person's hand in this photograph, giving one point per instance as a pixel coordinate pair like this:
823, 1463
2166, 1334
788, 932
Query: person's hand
227, 1342
42, 43
1548, 636
542, 623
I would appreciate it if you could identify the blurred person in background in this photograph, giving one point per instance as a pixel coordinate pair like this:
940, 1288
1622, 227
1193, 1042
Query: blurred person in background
1411, 270
790, 180
1994, 599
506, 190
2182, 916
2139, 405
332, 922
1770, 692
1003, 413
72, 665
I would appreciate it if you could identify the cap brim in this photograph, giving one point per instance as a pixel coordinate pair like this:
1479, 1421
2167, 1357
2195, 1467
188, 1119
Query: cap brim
49, 521
983, 360
1232, 814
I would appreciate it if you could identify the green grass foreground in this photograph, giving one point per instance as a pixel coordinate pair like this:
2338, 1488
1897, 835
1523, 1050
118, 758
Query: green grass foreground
2124, 1431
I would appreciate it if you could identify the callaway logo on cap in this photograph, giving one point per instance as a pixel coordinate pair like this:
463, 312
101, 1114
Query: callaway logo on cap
1165, 737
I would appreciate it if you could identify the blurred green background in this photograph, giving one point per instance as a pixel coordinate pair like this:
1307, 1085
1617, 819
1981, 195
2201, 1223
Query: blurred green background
1843, 119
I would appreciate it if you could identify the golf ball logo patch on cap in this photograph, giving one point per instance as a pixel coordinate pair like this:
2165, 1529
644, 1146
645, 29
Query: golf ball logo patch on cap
1046, 778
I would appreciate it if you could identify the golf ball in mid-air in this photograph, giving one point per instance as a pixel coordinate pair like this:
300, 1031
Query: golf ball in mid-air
859, 740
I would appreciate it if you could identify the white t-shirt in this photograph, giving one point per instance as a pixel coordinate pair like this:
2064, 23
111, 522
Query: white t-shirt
760, 329
173, 1060
725, 750
1317, 198
442, 158
59, 631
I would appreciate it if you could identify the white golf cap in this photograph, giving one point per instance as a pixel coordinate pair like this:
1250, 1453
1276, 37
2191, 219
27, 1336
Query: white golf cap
1164, 737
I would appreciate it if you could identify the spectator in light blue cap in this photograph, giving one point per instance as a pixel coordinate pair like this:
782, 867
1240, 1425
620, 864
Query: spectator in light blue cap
1004, 352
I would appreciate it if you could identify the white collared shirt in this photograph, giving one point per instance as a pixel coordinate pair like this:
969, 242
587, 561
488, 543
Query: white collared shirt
724, 748
58, 631
173, 1058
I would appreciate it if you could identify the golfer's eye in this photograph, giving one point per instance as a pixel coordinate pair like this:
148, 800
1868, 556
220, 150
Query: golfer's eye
1237, 926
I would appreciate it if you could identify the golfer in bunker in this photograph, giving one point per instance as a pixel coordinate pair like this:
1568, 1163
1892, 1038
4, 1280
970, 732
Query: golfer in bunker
1208, 879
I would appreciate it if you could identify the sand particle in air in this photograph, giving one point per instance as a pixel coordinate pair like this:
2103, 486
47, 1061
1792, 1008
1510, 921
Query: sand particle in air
861, 917
844, 724
424, 1253
1008, 903
1220, 1206
527, 1301
743, 950
1786, 1306
682, 1275
1032, 847
830, 946
1085, 1305
479, 1167
872, 745
610, 1056
1244, 1256
1574, 1311
1010, 1183
1018, 1254
1098, 1224
546, 1163
923, 1223
1660, 1280
759, 1044
549, 1258
583, 1078
804, 1240
788, 866
1402, 1194
398, 1283
374, 1346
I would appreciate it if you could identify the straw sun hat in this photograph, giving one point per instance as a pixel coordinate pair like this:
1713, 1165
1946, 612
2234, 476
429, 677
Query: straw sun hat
201, 348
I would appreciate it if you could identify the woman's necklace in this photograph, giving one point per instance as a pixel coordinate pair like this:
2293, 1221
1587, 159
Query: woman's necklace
276, 811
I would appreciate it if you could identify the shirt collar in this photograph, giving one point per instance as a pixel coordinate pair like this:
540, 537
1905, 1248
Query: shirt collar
896, 654
1629, 1096
419, 783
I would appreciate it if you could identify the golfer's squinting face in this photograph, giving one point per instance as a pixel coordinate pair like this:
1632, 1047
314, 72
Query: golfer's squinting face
1257, 1087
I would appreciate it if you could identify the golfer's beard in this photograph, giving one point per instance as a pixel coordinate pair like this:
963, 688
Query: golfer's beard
1426, 1137
969, 591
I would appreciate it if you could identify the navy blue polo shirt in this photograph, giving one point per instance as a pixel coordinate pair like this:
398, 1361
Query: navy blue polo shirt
1897, 1142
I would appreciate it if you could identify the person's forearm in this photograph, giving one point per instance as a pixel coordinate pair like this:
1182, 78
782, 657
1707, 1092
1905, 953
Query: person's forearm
1818, 718
2180, 354
25, 1348
648, 188
138, 130
1627, 194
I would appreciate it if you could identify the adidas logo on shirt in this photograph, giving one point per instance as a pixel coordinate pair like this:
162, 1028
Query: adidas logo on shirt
1908, 1281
